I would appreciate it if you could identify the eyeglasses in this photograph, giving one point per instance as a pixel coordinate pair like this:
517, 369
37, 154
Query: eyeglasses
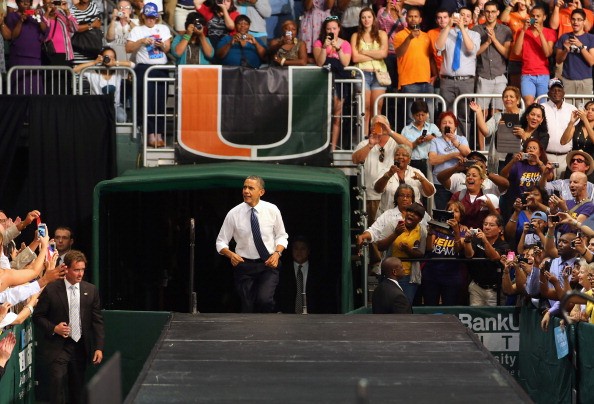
331, 18
124, 7
382, 155
577, 161
405, 196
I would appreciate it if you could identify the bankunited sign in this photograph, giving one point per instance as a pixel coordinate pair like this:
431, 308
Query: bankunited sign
497, 328
237, 113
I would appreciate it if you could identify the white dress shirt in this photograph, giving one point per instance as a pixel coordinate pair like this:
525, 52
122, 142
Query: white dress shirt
237, 226
557, 120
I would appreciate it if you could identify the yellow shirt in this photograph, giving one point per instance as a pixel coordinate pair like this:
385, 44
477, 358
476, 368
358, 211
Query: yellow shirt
371, 65
590, 307
410, 238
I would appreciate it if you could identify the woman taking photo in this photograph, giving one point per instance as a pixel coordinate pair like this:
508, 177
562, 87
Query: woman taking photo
194, 47
242, 48
150, 42
511, 105
370, 48
401, 173
477, 204
443, 280
333, 50
524, 170
580, 129
288, 50
445, 152
220, 17
107, 81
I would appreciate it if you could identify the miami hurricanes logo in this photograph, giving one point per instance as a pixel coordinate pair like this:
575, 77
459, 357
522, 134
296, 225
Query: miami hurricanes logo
234, 113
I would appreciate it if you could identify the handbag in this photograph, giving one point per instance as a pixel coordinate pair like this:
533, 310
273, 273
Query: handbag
88, 43
383, 78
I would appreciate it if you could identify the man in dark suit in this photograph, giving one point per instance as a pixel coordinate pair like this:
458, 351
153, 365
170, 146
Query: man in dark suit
69, 316
316, 295
388, 297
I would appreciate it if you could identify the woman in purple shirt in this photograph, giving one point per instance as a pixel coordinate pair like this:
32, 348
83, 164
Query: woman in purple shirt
27, 31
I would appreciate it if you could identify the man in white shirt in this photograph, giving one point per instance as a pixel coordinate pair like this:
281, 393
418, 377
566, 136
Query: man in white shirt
258, 229
558, 114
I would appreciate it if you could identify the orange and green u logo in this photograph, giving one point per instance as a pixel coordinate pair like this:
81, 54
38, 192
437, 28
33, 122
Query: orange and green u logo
244, 114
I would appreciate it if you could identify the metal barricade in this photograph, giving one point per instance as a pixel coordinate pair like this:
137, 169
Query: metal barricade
126, 95
40, 80
163, 113
469, 128
579, 100
351, 115
397, 106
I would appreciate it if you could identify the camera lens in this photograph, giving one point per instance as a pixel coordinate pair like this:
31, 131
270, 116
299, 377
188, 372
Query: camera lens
106, 60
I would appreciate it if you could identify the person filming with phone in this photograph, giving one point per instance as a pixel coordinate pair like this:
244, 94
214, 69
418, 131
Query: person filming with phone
445, 151
579, 206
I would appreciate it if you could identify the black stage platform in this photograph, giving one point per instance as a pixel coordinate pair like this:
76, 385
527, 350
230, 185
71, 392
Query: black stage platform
279, 358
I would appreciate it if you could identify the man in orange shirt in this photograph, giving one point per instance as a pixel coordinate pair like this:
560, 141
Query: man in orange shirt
416, 67
561, 16
442, 18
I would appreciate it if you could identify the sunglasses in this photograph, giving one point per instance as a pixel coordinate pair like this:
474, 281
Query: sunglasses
331, 18
577, 161
381, 156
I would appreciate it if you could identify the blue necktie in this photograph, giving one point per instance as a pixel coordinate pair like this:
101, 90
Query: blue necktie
264, 254
457, 51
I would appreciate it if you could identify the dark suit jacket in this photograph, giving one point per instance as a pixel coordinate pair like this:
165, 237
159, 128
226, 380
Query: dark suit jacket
52, 309
388, 298
320, 291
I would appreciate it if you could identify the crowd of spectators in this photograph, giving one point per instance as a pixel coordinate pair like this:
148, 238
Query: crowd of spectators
468, 250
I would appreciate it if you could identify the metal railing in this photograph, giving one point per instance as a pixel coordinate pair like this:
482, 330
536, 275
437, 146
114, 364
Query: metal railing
397, 107
352, 113
164, 116
40, 80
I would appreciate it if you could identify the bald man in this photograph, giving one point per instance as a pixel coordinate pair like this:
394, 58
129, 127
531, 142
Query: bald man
388, 297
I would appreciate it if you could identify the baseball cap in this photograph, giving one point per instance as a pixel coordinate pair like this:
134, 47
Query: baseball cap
555, 82
150, 10
539, 214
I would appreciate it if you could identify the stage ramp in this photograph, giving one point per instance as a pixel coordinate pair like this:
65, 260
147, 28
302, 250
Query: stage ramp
278, 358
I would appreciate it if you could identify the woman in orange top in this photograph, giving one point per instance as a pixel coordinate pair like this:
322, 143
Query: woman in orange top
515, 20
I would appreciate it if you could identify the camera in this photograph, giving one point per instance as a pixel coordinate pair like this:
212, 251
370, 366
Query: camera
415, 27
42, 229
456, 15
524, 199
198, 25
289, 34
447, 129
120, 14
532, 21
106, 60
29, 12
424, 133
525, 156
522, 258
330, 36
52, 247
244, 37
473, 232
554, 219
531, 228
555, 165
469, 163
